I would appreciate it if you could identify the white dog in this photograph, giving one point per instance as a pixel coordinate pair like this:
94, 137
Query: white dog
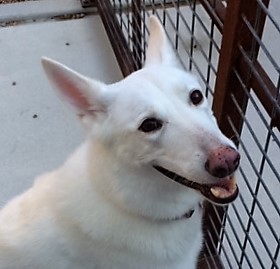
129, 197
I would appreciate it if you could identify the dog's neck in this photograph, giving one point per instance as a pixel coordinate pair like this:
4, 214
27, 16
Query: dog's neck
188, 214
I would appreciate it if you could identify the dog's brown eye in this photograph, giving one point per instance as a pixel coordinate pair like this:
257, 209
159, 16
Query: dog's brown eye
196, 97
150, 125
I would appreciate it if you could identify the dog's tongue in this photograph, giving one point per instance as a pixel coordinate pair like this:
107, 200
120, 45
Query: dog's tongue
221, 193
227, 189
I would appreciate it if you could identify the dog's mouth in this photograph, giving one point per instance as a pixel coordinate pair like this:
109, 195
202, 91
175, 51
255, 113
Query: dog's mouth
221, 193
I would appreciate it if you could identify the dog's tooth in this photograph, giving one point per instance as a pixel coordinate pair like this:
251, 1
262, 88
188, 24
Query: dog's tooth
221, 192
233, 184
224, 191
216, 191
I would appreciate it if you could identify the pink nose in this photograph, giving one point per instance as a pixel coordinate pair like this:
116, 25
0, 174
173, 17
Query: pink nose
222, 161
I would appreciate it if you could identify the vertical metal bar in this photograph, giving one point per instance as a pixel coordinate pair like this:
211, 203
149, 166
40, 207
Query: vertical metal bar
128, 24
192, 45
120, 13
144, 30
177, 25
208, 76
228, 56
137, 32
164, 13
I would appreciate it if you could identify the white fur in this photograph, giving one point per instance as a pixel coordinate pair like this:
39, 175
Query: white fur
106, 207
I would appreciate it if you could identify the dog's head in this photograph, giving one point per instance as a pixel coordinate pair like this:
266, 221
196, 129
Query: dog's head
155, 123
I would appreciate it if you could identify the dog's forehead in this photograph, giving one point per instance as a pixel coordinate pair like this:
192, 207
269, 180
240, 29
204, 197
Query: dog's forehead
137, 95
159, 92
168, 80
171, 81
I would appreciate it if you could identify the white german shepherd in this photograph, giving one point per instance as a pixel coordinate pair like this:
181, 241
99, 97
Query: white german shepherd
128, 198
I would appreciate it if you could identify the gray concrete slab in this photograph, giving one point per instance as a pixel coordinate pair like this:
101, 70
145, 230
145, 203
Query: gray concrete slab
33, 10
37, 130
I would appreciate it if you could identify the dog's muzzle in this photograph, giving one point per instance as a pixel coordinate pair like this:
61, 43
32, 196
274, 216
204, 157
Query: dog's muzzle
223, 192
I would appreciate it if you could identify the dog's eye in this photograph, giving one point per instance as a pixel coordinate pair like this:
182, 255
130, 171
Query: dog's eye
196, 97
150, 125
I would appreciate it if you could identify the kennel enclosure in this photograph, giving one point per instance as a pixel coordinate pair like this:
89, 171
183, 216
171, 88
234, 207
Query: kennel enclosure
228, 45
233, 48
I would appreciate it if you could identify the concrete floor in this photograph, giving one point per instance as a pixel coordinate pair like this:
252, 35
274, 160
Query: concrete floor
37, 130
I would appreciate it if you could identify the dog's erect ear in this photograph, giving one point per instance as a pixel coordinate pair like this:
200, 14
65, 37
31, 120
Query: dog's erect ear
84, 94
159, 49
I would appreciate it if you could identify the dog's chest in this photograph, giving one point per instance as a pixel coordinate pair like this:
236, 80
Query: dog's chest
142, 245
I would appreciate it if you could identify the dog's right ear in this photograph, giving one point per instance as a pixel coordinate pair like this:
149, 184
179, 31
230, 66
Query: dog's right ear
159, 50
84, 94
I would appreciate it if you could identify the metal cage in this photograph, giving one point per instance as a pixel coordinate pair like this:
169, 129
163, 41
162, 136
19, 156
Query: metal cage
233, 47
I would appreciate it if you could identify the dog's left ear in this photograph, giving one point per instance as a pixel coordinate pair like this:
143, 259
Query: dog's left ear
159, 50
86, 96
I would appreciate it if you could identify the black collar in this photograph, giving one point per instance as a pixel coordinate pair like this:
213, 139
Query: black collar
188, 214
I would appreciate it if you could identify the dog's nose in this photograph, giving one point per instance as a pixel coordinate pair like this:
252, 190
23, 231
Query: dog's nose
222, 161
